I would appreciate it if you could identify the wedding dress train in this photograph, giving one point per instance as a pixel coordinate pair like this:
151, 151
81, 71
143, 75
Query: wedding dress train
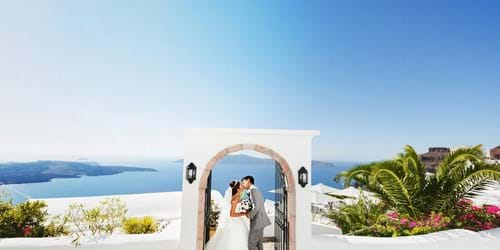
232, 232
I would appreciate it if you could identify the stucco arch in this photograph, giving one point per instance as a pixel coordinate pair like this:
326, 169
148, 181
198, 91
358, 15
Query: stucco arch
257, 148
250, 147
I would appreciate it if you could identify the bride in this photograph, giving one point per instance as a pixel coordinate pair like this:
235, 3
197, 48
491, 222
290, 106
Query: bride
232, 231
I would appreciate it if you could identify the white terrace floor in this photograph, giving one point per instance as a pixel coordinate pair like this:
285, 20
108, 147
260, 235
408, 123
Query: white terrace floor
268, 246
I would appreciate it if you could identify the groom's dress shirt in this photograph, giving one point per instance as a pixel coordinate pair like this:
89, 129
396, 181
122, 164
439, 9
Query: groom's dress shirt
247, 195
249, 191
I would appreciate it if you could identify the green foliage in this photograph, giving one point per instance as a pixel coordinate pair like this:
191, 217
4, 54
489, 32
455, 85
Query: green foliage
27, 219
402, 183
95, 223
140, 225
393, 226
476, 218
367, 218
214, 214
353, 219
56, 227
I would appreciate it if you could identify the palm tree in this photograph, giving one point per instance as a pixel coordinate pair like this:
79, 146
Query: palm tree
404, 185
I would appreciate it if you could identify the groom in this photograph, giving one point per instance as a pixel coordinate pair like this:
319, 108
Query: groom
258, 216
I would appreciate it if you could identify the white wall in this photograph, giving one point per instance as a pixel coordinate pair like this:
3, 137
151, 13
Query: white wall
168, 239
62, 244
319, 229
451, 239
203, 144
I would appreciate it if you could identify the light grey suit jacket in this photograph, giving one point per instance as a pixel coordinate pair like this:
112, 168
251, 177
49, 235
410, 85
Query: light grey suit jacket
258, 215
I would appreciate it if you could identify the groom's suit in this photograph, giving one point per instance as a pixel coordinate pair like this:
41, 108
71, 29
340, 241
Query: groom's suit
258, 220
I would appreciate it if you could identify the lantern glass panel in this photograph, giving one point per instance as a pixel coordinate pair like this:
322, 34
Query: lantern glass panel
191, 173
303, 176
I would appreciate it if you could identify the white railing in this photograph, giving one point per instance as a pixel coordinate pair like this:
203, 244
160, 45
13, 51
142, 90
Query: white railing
15, 190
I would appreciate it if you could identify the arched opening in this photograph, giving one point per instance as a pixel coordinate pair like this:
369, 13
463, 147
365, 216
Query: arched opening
285, 216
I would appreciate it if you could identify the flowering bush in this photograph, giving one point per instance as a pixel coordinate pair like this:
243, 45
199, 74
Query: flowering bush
476, 218
390, 224
394, 224
371, 219
27, 219
359, 217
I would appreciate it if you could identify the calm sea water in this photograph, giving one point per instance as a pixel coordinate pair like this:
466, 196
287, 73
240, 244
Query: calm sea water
168, 178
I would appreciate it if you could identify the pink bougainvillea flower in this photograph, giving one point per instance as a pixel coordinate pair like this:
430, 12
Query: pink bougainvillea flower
393, 215
465, 202
487, 225
492, 209
26, 231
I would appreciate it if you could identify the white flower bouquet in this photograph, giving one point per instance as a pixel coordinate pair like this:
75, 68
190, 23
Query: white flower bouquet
244, 206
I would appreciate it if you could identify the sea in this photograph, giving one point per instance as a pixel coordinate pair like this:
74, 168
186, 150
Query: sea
168, 178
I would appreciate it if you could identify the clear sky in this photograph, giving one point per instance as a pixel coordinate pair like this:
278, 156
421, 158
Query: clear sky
121, 78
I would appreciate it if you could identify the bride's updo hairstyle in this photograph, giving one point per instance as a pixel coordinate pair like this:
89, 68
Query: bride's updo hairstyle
235, 186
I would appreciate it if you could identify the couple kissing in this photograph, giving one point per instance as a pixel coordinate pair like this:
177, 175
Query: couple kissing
243, 201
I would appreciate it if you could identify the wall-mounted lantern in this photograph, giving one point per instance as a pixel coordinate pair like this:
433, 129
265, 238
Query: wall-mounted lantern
303, 177
191, 172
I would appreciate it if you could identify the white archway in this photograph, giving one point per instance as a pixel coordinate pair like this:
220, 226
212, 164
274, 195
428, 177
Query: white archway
204, 147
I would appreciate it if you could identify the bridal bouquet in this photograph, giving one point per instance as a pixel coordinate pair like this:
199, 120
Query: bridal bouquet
244, 206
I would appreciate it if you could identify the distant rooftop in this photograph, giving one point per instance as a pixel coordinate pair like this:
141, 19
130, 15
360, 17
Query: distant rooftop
432, 158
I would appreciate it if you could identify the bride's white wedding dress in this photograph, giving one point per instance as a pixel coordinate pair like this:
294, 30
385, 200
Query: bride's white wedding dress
232, 232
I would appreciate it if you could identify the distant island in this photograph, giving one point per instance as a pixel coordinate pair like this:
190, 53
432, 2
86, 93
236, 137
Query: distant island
44, 171
246, 159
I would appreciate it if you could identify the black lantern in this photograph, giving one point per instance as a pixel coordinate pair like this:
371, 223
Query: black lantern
191, 172
303, 177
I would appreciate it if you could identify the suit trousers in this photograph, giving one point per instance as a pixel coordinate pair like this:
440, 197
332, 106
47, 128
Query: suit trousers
255, 238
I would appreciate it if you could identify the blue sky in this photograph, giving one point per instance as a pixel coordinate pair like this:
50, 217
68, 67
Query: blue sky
121, 78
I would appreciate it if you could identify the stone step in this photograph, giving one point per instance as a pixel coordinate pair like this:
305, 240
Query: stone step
269, 246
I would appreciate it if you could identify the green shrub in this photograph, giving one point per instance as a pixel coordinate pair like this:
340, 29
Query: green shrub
368, 218
56, 227
476, 218
214, 214
394, 224
407, 188
355, 218
95, 223
423, 203
27, 219
140, 225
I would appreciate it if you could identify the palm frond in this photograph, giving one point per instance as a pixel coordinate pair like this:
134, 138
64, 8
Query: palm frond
395, 188
404, 185
358, 173
467, 182
458, 157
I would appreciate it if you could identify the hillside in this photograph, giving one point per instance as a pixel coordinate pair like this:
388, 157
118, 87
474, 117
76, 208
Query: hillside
246, 159
43, 171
